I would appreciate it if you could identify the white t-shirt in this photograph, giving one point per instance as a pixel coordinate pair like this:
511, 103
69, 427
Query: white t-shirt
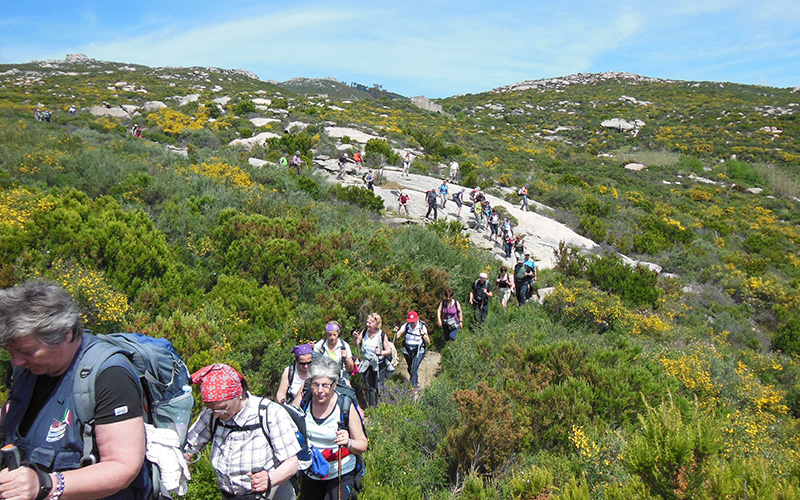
369, 344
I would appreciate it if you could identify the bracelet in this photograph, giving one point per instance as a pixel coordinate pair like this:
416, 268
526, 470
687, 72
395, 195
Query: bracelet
350, 443
60, 483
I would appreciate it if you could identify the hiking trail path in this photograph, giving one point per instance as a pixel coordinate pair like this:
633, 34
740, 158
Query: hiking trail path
542, 234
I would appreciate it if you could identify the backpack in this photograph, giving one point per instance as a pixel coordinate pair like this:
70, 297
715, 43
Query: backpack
521, 191
455, 196
166, 389
308, 453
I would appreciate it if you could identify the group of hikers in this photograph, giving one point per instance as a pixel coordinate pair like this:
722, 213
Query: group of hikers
308, 439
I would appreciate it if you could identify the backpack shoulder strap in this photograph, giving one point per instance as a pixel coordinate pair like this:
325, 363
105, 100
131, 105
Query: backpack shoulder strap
263, 420
93, 358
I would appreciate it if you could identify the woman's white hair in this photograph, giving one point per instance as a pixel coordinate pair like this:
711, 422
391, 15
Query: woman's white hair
324, 366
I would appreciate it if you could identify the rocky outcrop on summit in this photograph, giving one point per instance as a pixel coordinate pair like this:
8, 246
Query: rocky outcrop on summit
577, 79
423, 102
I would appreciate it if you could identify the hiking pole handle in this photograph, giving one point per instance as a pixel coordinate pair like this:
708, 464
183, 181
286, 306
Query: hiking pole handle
11, 458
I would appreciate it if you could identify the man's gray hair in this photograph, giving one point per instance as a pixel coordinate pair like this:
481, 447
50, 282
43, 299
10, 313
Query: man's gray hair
324, 366
41, 308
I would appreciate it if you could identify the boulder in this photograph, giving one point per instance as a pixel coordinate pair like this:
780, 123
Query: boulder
151, 106
426, 104
116, 112
183, 101
260, 122
256, 140
257, 162
754, 190
635, 166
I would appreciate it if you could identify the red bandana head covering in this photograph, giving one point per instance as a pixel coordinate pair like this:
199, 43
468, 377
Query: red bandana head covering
218, 382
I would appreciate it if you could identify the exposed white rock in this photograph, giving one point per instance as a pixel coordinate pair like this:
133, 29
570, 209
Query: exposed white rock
256, 140
755, 190
356, 135
261, 101
183, 101
222, 100
426, 104
635, 166
702, 179
298, 125
260, 122
104, 111
151, 106
257, 162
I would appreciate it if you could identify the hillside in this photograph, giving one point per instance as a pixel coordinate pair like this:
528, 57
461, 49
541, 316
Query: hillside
678, 379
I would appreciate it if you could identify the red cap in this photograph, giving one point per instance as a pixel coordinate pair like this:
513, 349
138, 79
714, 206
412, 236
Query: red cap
413, 316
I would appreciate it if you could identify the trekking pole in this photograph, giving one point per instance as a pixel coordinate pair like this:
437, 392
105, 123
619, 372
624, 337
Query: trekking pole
255, 471
11, 458
340, 427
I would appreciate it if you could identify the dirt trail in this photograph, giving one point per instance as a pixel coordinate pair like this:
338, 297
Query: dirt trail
428, 369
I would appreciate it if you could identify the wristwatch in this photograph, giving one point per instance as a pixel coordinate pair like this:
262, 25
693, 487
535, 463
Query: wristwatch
45, 483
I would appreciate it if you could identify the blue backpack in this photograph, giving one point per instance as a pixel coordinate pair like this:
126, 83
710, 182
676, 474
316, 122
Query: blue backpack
166, 389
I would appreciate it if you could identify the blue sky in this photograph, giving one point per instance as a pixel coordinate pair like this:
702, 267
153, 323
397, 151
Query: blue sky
435, 48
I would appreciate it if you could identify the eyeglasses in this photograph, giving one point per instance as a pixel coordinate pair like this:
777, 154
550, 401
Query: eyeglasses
326, 385
304, 363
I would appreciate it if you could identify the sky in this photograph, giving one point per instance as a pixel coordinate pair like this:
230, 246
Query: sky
436, 48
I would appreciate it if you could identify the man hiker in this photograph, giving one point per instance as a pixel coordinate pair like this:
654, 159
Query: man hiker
430, 197
479, 297
531, 276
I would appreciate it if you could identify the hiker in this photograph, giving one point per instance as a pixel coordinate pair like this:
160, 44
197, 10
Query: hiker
523, 278
254, 454
338, 445
283, 161
454, 171
370, 179
505, 284
494, 224
296, 162
523, 194
337, 349
415, 338
46, 114
72, 109
531, 276
449, 315
406, 164
479, 297
342, 164
443, 193
293, 378
508, 240
41, 329
403, 203
458, 197
430, 197
377, 353
519, 246
359, 161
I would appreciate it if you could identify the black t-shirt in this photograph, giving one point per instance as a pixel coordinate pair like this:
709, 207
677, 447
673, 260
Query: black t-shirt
117, 397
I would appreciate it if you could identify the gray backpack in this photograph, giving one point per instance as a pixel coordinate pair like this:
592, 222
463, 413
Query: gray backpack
165, 380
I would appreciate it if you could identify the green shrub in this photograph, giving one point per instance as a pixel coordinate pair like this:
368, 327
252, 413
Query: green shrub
381, 147
635, 285
360, 197
241, 108
671, 453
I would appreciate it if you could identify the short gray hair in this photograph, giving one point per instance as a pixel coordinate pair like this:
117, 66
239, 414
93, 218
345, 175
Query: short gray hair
324, 366
41, 308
